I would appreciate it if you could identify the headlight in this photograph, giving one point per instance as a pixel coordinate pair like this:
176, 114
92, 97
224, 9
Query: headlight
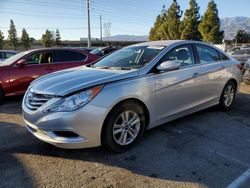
75, 101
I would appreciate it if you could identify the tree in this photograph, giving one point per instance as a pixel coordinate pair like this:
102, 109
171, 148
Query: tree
25, 39
242, 36
189, 26
12, 38
1, 40
154, 33
167, 25
47, 39
57, 38
172, 24
210, 24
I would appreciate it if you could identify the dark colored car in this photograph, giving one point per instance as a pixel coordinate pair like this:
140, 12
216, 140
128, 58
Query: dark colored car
18, 71
246, 74
242, 55
102, 51
87, 49
5, 54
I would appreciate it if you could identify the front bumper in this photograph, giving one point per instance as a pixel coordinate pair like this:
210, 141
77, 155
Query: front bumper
85, 124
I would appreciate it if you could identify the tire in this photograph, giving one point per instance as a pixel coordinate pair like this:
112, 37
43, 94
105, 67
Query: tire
1, 96
228, 96
113, 137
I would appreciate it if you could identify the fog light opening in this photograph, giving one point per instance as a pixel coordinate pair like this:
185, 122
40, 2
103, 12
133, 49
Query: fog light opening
65, 134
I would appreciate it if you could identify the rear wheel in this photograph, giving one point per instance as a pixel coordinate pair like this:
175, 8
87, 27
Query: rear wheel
123, 127
228, 95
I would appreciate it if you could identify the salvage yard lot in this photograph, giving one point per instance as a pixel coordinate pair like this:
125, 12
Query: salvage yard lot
207, 149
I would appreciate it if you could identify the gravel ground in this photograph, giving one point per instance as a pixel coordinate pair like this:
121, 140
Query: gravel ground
206, 149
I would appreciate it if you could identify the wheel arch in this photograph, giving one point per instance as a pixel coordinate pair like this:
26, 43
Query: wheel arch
234, 81
138, 101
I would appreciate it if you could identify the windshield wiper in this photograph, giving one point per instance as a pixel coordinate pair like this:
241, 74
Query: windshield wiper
121, 68
115, 68
103, 67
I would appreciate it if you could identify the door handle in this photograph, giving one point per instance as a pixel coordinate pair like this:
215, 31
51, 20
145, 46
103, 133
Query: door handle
195, 74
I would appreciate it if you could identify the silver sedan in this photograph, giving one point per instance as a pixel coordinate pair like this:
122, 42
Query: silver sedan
113, 101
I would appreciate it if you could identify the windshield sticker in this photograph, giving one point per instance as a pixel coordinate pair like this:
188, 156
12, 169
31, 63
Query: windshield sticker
156, 47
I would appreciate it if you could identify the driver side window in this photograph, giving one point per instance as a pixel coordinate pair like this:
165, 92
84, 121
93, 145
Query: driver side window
182, 54
39, 58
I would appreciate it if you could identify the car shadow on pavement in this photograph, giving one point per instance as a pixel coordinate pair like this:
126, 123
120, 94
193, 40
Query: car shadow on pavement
193, 149
12, 105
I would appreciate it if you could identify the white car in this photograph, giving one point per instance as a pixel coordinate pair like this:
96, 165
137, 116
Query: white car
113, 101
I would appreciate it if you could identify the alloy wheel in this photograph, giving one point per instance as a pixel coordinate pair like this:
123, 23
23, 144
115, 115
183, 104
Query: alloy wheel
229, 95
126, 127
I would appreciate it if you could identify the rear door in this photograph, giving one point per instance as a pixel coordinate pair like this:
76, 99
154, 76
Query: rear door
213, 72
68, 58
38, 64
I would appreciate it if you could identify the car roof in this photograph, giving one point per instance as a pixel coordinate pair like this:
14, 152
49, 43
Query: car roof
49, 49
159, 43
244, 48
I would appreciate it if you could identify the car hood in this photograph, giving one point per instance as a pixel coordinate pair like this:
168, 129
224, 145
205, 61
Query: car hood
64, 82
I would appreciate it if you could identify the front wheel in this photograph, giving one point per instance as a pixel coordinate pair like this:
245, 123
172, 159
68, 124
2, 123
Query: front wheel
123, 127
228, 95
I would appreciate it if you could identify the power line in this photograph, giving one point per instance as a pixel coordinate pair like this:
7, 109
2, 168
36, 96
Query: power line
128, 7
121, 8
51, 28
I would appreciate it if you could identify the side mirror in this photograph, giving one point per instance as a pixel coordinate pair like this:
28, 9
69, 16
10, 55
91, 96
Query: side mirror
21, 62
168, 66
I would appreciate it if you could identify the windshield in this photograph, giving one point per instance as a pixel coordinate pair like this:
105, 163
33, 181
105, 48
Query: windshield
130, 58
13, 58
242, 52
96, 51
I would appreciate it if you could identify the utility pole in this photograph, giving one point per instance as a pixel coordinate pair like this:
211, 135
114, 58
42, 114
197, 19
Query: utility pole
89, 34
101, 28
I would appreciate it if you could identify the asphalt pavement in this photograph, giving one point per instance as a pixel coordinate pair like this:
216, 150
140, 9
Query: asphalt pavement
210, 148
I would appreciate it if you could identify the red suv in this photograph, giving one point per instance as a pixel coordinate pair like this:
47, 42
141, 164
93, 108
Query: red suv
17, 72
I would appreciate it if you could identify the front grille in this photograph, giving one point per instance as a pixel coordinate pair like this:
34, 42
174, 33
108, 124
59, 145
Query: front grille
35, 101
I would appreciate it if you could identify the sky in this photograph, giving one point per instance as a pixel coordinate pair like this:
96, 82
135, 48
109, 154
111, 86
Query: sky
132, 17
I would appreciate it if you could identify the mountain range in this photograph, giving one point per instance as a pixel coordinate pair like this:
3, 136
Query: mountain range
230, 25
126, 38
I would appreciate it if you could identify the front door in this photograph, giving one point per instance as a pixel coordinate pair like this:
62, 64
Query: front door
37, 64
178, 90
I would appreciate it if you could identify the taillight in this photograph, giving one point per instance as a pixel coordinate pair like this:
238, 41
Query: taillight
240, 66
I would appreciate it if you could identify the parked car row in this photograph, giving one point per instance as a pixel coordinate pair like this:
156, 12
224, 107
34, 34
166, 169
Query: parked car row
246, 74
104, 50
5, 54
113, 100
18, 71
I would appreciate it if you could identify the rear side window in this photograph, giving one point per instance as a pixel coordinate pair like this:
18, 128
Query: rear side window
69, 56
207, 54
